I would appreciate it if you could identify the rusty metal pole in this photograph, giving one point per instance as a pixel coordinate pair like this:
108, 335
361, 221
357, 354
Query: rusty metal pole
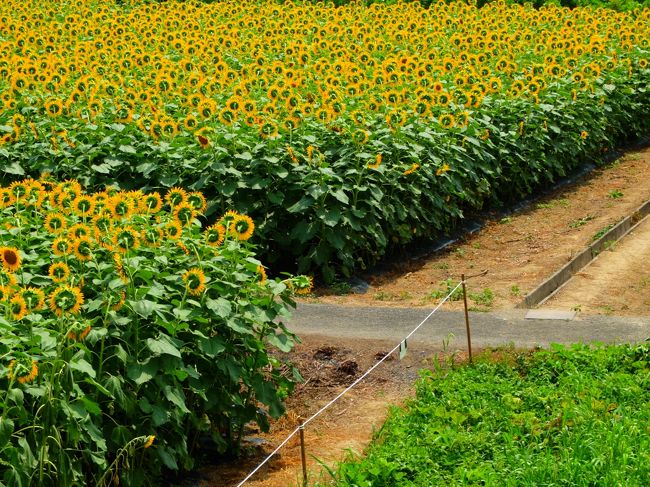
302, 454
469, 334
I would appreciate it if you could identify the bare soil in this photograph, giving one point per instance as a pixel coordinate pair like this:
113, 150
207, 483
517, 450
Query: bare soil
328, 365
523, 249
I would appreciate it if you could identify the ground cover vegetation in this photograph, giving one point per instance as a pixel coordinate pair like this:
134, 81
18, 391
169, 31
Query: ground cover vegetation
344, 132
573, 415
129, 336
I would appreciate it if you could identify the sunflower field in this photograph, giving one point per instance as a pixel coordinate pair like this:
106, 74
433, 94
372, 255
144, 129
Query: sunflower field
344, 132
130, 338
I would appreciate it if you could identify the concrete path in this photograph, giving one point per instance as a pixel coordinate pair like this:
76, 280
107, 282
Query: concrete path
488, 329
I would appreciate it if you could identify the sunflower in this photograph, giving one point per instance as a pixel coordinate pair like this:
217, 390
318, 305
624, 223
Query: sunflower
59, 272
126, 238
29, 372
262, 273
377, 163
6, 198
242, 227
174, 229
79, 230
17, 307
152, 236
176, 196
7, 278
10, 258
34, 298
82, 248
66, 299
414, 167
83, 205
120, 206
61, 246
215, 234
6, 292
152, 203
194, 281
184, 213
197, 200
149, 442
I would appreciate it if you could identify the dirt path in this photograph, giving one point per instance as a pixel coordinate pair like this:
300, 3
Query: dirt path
518, 251
616, 282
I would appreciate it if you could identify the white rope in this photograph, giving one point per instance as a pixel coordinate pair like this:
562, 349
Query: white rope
347, 389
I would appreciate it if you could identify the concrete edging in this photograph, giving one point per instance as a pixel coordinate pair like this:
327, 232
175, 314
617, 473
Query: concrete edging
551, 285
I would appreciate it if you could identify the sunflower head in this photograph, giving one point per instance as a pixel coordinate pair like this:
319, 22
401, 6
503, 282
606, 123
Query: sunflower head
242, 227
126, 238
10, 258
66, 300
176, 196
197, 201
194, 281
215, 234
184, 213
152, 203
61, 246
17, 307
23, 370
82, 248
59, 272
34, 298
54, 222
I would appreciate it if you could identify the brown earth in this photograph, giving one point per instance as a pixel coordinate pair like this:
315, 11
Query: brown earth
518, 252
523, 249
328, 365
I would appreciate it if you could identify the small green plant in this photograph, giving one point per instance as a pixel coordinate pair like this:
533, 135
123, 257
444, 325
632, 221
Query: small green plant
602, 232
460, 252
505, 219
441, 265
447, 286
609, 245
341, 288
514, 290
615, 194
581, 221
383, 296
560, 202
484, 298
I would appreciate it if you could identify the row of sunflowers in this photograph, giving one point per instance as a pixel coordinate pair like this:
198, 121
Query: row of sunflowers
344, 132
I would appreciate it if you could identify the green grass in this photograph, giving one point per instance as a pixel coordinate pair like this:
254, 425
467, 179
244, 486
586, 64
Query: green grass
575, 415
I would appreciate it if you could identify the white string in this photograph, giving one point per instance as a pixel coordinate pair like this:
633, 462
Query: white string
347, 389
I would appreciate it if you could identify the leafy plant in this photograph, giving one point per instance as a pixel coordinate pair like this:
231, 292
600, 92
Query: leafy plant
615, 194
577, 412
581, 221
599, 234
448, 287
142, 334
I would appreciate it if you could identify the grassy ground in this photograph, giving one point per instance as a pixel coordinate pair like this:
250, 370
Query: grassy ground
575, 415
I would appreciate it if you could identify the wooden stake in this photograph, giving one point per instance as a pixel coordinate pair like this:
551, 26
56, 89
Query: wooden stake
302, 454
469, 334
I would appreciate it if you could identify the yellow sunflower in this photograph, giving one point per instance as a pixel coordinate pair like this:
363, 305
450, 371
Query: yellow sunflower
242, 227
17, 307
66, 299
82, 248
61, 246
23, 372
215, 234
34, 298
54, 222
126, 238
194, 281
184, 213
59, 272
176, 196
10, 258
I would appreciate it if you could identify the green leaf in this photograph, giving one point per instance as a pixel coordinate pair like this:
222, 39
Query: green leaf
176, 397
281, 341
81, 365
167, 459
304, 203
163, 345
220, 306
6, 430
127, 149
141, 373
212, 346
143, 307
14, 168
246, 156
340, 195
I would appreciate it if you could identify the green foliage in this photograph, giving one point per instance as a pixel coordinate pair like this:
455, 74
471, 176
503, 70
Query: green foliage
571, 415
144, 345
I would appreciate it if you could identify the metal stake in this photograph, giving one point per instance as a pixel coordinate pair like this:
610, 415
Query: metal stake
302, 454
469, 334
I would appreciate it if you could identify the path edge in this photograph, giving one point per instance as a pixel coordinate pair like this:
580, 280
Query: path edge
552, 284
